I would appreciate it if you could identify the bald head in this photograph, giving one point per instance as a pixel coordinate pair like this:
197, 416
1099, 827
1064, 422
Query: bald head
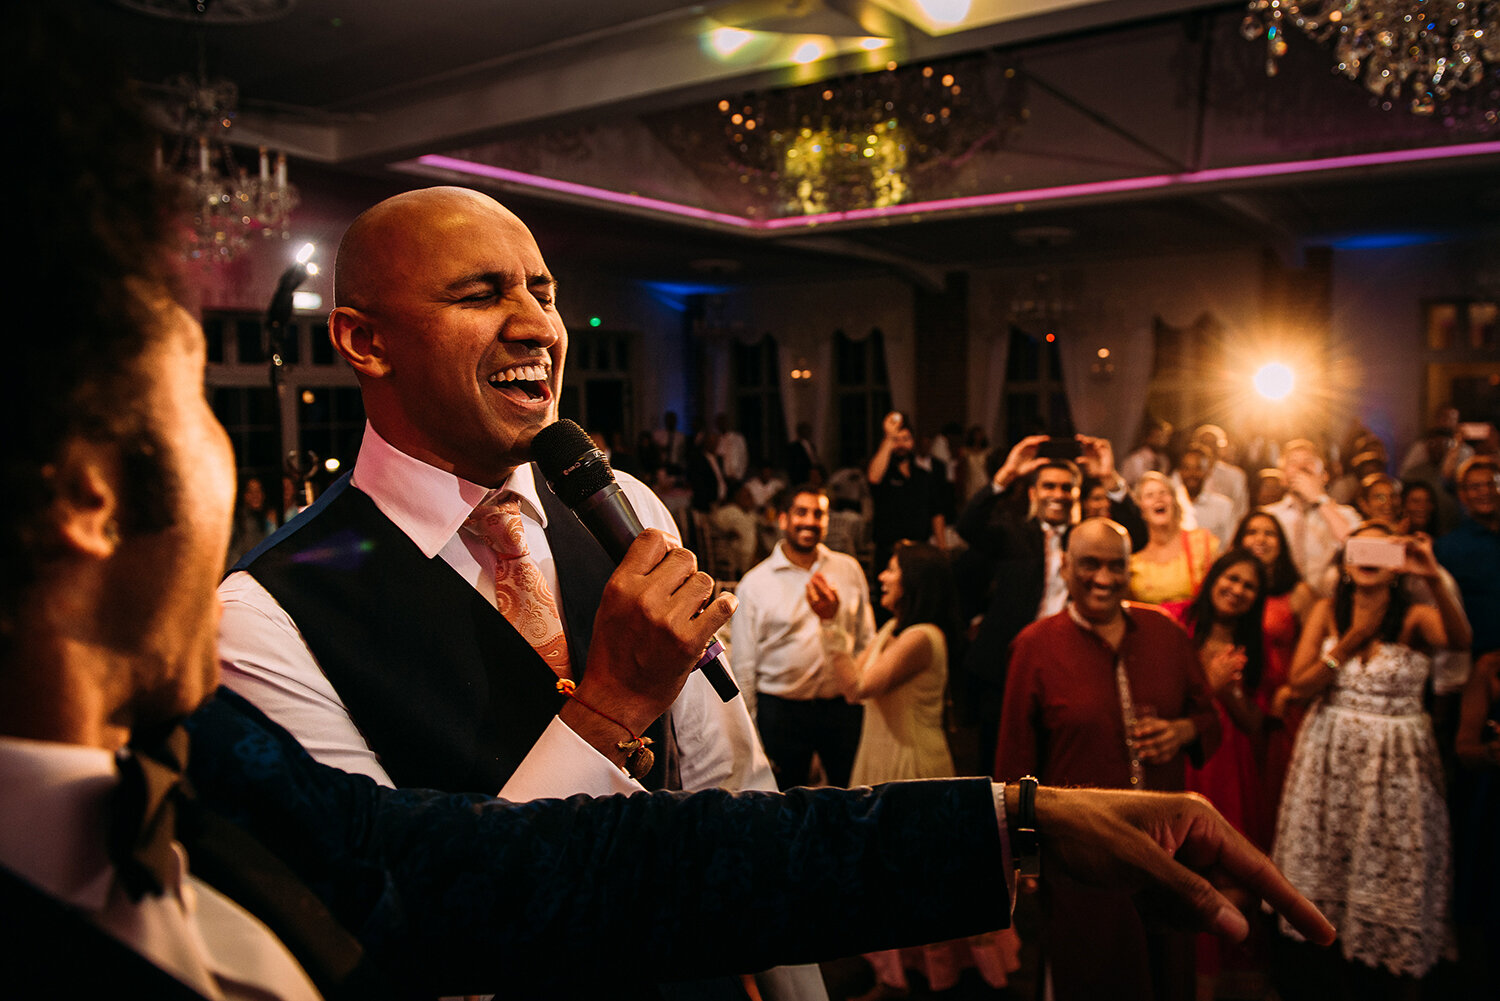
383, 240
1099, 532
1096, 569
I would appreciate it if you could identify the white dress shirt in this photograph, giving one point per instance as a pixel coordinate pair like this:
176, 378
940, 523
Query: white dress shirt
265, 658
1054, 588
52, 835
1232, 482
734, 454
1213, 511
1314, 541
775, 643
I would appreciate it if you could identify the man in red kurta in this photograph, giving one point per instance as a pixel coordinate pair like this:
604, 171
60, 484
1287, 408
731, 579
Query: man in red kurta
1079, 682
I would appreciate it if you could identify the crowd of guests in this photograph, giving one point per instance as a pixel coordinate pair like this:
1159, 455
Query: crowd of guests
1294, 642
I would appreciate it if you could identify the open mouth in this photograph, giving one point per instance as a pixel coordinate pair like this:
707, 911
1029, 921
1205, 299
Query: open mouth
526, 383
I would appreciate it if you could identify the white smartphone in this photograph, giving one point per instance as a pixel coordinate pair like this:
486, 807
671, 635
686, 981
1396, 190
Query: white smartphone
1375, 551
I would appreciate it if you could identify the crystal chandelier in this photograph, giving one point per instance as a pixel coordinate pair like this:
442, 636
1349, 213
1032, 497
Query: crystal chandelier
1424, 49
229, 205
867, 140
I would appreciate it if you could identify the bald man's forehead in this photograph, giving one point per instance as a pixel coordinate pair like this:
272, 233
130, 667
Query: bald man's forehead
1098, 536
426, 240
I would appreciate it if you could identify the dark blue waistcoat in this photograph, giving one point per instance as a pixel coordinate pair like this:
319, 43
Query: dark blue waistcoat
441, 686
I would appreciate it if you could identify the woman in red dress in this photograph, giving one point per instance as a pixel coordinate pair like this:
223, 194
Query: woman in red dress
1225, 621
1288, 601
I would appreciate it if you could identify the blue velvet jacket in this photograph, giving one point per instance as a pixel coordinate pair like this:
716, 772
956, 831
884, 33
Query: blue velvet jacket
465, 893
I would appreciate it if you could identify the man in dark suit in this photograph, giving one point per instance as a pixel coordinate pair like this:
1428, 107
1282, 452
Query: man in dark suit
1013, 565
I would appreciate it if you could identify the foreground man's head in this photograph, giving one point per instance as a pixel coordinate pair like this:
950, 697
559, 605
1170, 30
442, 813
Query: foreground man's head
118, 479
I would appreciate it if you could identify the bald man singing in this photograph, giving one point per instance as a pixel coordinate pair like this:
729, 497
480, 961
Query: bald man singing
413, 624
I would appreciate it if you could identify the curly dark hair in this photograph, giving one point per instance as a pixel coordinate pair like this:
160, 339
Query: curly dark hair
1283, 574
1249, 629
94, 223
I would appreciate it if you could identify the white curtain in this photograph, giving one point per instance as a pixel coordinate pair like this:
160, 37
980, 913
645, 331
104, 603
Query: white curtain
1107, 393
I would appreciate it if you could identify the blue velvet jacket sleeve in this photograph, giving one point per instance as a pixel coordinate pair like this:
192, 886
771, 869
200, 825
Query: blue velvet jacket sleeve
459, 893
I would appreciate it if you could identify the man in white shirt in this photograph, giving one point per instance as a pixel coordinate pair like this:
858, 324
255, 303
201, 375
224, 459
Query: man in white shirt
1213, 510
777, 651
1315, 525
733, 451
1224, 477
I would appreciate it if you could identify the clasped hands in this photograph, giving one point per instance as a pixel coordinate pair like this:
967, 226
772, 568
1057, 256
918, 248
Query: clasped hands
1096, 457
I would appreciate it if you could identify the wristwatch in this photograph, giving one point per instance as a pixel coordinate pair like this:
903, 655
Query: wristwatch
1024, 843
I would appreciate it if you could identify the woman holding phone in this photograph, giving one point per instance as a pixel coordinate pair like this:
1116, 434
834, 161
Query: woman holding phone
1363, 829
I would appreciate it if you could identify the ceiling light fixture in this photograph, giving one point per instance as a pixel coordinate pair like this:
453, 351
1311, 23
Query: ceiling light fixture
1424, 49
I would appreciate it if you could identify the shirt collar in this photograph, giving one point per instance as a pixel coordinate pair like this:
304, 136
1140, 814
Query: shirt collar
428, 504
56, 811
779, 560
1088, 627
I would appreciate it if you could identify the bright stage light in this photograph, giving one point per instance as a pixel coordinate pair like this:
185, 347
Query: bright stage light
1274, 380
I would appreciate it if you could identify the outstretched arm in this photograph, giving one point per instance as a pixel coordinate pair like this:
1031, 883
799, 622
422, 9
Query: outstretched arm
457, 893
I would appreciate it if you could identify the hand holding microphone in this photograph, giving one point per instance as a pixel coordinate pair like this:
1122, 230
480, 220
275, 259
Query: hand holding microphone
581, 477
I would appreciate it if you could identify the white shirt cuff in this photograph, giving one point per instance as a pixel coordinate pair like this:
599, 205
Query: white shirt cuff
563, 764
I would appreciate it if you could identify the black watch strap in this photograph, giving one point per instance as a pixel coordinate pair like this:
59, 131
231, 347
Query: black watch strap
1023, 837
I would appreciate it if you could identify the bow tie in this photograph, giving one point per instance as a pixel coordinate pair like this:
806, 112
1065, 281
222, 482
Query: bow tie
143, 809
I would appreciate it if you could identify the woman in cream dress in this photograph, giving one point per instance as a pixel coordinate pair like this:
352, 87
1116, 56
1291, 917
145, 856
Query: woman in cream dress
901, 679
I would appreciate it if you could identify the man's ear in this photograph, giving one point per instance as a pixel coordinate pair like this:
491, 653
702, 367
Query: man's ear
86, 504
354, 335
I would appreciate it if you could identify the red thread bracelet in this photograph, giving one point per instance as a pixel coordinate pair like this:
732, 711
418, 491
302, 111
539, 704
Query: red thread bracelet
638, 754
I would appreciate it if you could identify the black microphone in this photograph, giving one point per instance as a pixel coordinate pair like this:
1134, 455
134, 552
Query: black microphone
580, 475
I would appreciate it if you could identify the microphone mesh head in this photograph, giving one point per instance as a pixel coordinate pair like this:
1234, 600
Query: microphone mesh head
573, 466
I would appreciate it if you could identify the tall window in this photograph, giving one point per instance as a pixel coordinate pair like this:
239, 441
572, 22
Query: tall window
757, 399
1462, 345
1035, 399
862, 395
598, 392
249, 415
320, 408
331, 422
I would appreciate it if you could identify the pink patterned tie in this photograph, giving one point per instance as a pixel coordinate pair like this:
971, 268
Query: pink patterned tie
521, 593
